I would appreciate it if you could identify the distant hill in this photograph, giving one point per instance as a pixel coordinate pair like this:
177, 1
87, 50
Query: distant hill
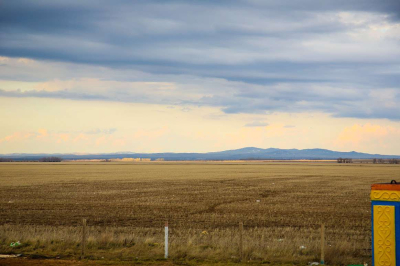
248, 153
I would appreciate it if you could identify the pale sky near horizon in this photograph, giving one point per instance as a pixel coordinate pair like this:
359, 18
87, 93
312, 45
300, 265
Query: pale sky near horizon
199, 76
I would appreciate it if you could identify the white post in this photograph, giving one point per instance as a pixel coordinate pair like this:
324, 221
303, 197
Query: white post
166, 240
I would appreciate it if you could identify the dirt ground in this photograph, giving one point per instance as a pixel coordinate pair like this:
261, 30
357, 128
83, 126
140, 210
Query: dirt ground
282, 206
51, 262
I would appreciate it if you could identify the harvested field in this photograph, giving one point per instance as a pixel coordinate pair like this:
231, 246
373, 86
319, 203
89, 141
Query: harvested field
281, 204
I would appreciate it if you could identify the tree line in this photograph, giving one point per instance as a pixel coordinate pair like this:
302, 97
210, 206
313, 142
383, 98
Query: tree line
51, 159
6, 160
390, 161
43, 159
344, 160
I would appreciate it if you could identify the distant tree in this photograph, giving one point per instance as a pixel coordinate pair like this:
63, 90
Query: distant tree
3, 160
339, 160
381, 161
374, 160
394, 161
50, 159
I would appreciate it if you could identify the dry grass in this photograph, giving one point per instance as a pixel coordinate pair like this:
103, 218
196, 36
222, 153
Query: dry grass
126, 205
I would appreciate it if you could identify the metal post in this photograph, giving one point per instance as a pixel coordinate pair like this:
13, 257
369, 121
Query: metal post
241, 240
83, 244
322, 243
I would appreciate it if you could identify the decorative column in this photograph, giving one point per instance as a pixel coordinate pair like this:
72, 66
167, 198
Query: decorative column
385, 204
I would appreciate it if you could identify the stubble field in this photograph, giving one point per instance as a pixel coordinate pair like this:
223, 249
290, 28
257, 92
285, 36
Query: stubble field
126, 204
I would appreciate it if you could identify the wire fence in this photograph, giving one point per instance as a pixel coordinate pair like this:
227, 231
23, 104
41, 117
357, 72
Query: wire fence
94, 240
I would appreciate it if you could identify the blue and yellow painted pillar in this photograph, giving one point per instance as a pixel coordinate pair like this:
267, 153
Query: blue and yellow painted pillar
385, 204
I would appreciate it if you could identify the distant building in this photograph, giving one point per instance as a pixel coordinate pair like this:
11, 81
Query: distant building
131, 160
127, 159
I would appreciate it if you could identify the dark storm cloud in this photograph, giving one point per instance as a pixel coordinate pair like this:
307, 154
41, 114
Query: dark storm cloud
289, 56
139, 33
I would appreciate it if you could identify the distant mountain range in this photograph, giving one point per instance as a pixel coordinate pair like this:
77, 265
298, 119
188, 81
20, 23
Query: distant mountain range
249, 153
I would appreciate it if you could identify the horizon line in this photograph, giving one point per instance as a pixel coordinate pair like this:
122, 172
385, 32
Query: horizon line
126, 152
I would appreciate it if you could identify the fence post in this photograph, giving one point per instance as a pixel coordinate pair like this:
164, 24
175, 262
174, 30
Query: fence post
83, 244
322, 243
166, 240
241, 240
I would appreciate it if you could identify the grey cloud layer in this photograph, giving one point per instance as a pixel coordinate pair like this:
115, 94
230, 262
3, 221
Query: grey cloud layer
340, 57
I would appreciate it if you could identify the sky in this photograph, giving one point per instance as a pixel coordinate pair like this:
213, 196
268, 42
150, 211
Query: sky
198, 76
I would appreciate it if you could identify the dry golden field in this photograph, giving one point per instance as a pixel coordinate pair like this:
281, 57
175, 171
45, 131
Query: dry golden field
282, 205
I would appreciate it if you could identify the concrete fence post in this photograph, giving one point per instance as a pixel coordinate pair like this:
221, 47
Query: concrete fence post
166, 240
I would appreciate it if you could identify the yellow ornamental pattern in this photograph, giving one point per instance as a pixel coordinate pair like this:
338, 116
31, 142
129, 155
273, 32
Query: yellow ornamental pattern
384, 236
385, 195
